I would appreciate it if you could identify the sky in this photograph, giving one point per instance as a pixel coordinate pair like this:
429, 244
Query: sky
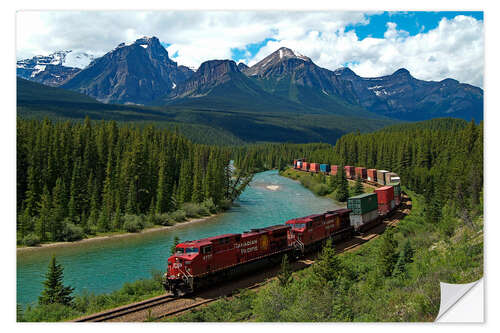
431, 45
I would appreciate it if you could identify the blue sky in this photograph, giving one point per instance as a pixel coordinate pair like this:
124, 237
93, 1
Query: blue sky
412, 22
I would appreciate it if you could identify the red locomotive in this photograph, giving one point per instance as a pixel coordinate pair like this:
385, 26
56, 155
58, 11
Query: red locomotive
197, 264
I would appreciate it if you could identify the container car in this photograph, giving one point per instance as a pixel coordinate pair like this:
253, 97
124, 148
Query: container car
371, 175
388, 177
324, 168
381, 176
360, 172
362, 203
314, 167
333, 170
349, 171
305, 166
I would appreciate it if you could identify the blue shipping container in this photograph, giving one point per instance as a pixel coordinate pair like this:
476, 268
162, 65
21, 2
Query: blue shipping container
324, 167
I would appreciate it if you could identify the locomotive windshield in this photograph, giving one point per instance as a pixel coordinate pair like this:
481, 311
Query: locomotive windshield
299, 225
192, 250
179, 250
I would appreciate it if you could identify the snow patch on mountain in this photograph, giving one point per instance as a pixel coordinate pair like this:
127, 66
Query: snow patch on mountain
38, 69
78, 59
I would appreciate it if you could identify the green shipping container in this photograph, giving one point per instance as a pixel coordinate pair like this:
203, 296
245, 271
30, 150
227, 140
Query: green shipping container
397, 188
362, 203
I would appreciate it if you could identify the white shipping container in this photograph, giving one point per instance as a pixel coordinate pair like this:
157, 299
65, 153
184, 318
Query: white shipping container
359, 220
395, 180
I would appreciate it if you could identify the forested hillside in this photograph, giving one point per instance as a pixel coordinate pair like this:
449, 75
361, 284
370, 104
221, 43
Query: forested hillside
441, 159
76, 179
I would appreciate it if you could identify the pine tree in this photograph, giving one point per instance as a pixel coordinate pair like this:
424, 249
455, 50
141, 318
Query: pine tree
343, 188
45, 218
387, 255
131, 207
176, 242
54, 291
328, 267
285, 275
405, 257
358, 188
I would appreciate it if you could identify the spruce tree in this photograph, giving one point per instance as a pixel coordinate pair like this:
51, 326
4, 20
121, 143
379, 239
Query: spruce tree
54, 291
285, 275
328, 266
387, 255
44, 221
176, 242
343, 187
358, 188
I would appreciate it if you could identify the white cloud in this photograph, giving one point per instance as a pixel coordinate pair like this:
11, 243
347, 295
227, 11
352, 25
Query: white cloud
454, 49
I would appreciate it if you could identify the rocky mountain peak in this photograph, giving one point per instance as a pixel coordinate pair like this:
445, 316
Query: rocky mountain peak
402, 72
286, 53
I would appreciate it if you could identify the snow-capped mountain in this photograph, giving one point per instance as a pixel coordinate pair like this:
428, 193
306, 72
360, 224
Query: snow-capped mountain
136, 73
53, 69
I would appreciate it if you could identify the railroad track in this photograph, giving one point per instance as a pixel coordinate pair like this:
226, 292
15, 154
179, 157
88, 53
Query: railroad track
190, 303
127, 309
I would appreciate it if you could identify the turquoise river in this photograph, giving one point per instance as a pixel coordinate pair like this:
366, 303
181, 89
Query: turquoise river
104, 266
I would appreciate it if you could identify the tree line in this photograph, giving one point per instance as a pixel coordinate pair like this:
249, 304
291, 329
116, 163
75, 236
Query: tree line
75, 179
442, 159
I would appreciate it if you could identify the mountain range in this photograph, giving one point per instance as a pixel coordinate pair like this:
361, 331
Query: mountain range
285, 81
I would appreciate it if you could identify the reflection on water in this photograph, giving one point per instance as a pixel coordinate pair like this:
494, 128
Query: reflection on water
105, 265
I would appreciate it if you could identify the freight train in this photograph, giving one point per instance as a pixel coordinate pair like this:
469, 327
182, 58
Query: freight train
204, 262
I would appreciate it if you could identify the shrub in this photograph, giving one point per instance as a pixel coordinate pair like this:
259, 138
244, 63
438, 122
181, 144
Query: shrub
31, 240
178, 216
49, 313
225, 204
321, 189
133, 223
72, 232
191, 209
209, 204
164, 219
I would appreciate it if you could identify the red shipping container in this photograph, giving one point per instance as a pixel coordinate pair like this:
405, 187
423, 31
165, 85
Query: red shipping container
385, 194
360, 172
305, 166
349, 171
333, 170
314, 167
372, 174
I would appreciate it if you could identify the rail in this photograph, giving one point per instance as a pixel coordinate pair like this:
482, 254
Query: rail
126, 309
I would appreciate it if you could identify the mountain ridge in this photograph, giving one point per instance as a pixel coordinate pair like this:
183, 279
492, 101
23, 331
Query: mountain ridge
285, 80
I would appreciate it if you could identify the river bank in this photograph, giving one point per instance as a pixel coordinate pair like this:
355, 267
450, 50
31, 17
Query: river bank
122, 235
